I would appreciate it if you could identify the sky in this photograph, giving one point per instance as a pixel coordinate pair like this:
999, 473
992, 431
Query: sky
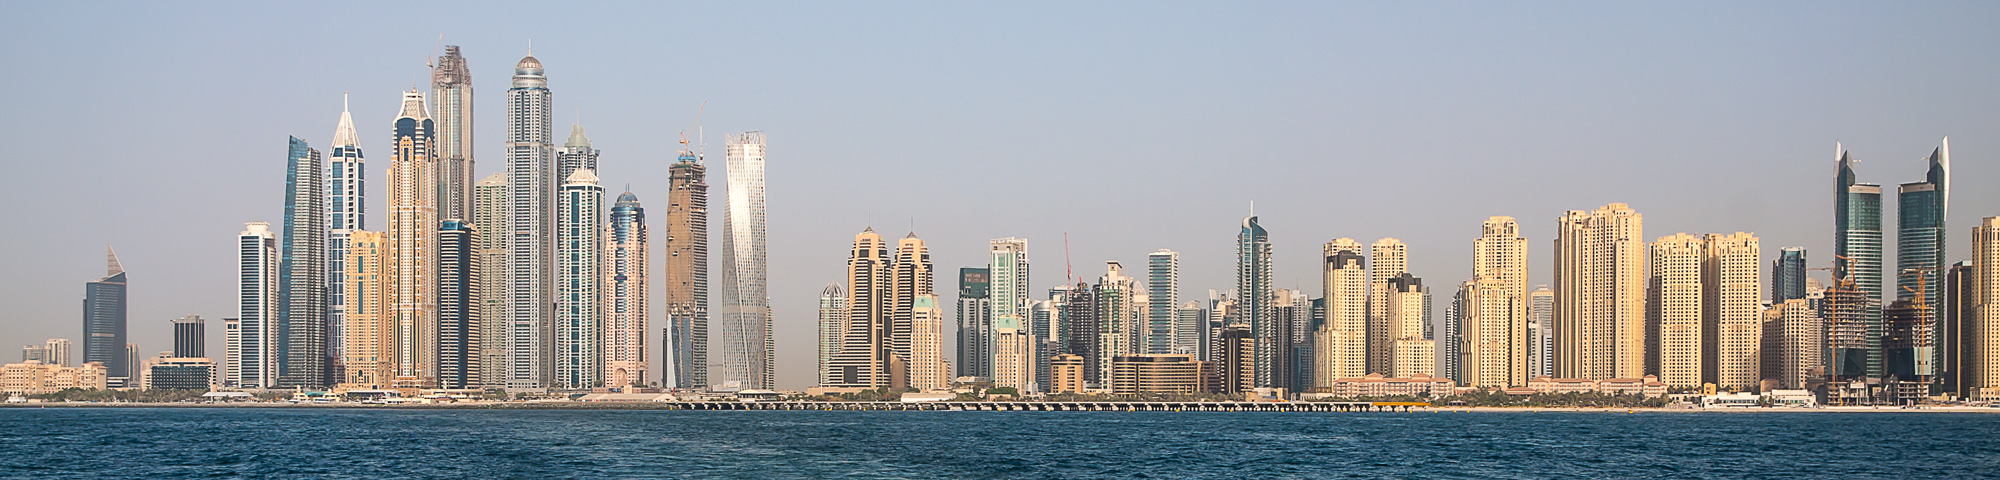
1098, 131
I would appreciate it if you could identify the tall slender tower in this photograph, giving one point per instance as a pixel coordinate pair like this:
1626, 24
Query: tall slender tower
451, 89
1388, 259
1857, 250
370, 336
104, 319
576, 154
1163, 284
1501, 255
531, 195
302, 271
1541, 332
1253, 290
347, 206
1341, 343
1007, 268
458, 322
1411, 353
1674, 316
928, 369
746, 305
1920, 229
910, 282
251, 357
625, 294
832, 328
1116, 316
975, 322
1982, 375
686, 274
579, 341
1600, 276
489, 243
412, 267
865, 350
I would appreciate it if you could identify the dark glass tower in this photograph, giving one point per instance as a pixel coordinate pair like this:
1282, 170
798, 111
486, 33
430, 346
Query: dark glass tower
302, 352
190, 334
1788, 275
1857, 249
104, 320
975, 323
458, 319
1253, 287
1920, 232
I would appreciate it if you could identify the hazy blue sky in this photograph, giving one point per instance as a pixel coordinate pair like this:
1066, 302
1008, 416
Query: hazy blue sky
160, 129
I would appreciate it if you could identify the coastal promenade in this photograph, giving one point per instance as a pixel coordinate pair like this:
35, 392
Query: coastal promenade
1062, 406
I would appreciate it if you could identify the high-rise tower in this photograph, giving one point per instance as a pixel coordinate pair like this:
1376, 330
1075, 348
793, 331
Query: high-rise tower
347, 208
1674, 311
1600, 277
1732, 316
1920, 229
910, 284
832, 329
864, 359
1500, 254
451, 90
1007, 267
686, 274
458, 322
489, 243
1388, 259
625, 294
531, 195
1253, 289
576, 154
104, 319
746, 305
1788, 275
371, 347
1982, 359
251, 357
412, 236
975, 322
1341, 343
302, 271
579, 340
1857, 250
1163, 283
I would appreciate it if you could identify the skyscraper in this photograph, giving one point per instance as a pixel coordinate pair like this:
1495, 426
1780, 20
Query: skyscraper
1920, 230
1080, 328
686, 274
302, 271
1253, 289
347, 205
1792, 344
190, 337
832, 328
1007, 274
1600, 277
531, 195
1731, 316
975, 322
1857, 249
1958, 329
232, 347
576, 154
1341, 343
451, 89
911, 282
579, 340
489, 243
745, 307
1788, 275
104, 320
1450, 337
625, 294
865, 359
251, 358
1674, 313
58, 352
1163, 284
459, 329
1541, 331
1387, 259
928, 368
1410, 353
1115, 318
412, 236
1191, 330
370, 334
1500, 254
1982, 371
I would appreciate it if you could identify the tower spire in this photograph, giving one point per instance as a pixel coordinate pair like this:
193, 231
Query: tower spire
343, 135
111, 266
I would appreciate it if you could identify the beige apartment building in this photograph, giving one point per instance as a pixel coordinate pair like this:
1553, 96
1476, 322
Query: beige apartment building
1600, 293
367, 337
1388, 258
1341, 343
1793, 344
1984, 352
1732, 310
1168, 373
33, 377
1674, 310
1066, 373
1500, 260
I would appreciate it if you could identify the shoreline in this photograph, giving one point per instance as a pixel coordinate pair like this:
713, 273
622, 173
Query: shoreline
650, 406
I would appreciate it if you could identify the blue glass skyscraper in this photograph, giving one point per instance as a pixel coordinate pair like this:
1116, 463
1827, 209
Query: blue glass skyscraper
302, 355
1857, 249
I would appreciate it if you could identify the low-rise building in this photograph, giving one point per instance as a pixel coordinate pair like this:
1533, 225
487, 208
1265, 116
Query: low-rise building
35, 377
1732, 400
1158, 373
1066, 373
1648, 386
180, 373
1376, 385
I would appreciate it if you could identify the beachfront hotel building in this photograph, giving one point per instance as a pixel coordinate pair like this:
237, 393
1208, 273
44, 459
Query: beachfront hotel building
1405, 301
864, 359
1500, 306
32, 377
1674, 310
1067, 373
1159, 373
1388, 259
1732, 313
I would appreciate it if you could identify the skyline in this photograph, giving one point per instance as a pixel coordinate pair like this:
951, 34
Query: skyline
176, 242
